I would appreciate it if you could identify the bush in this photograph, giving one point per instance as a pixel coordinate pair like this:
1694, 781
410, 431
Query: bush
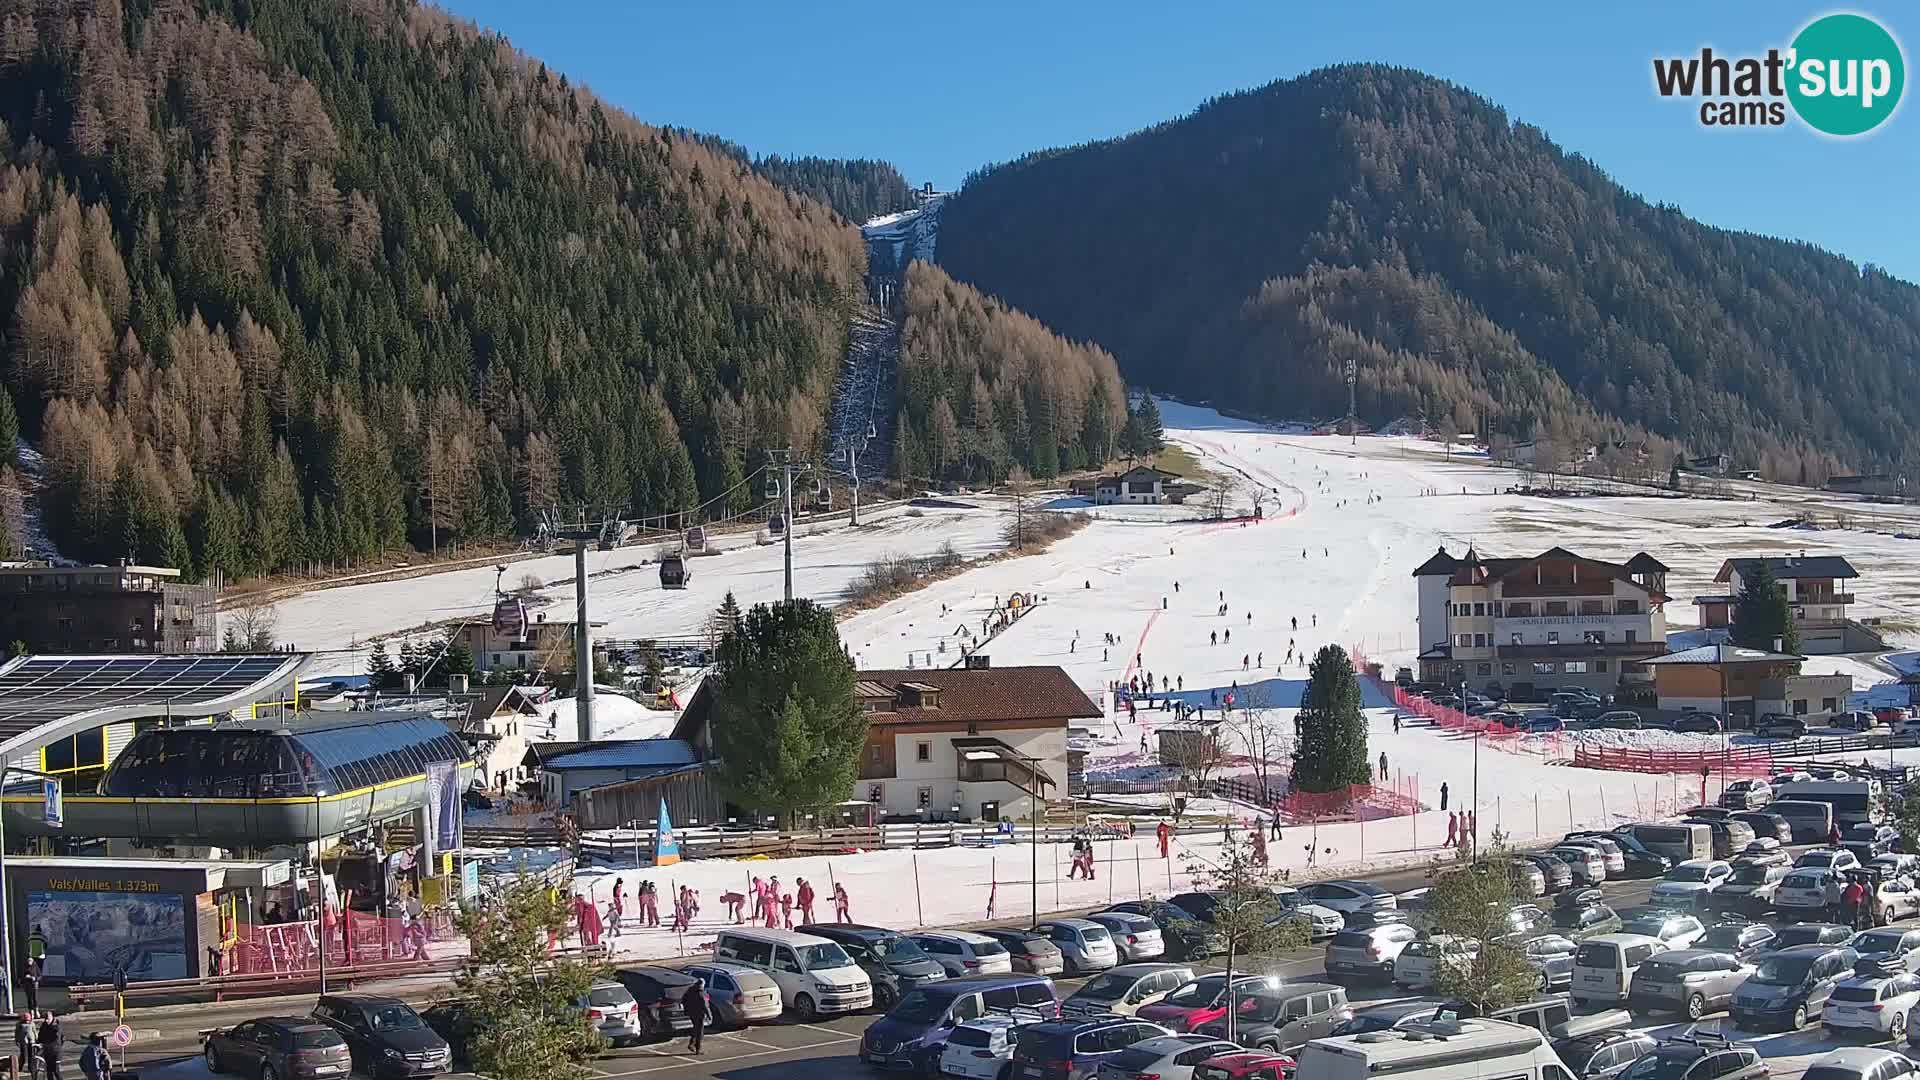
1042, 527
891, 575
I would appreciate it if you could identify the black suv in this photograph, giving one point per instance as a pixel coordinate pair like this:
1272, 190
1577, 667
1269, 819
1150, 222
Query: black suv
386, 1037
1780, 726
660, 993
1603, 1054
1791, 986
1057, 1050
1701, 1057
894, 963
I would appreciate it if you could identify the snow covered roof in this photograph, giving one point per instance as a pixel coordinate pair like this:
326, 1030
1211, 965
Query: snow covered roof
1721, 654
624, 754
1791, 566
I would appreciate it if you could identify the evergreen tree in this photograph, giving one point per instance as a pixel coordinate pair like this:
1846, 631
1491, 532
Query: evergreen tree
1762, 614
175, 551
1150, 433
380, 670
787, 733
9, 429
456, 660
1331, 751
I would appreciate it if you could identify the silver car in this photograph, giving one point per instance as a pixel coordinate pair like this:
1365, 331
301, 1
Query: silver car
1135, 937
1084, 945
740, 995
1690, 981
1890, 948
1367, 953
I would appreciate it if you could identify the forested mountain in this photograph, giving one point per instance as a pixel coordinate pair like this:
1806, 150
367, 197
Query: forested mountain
856, 188
1474, 270
984, 388
303, 280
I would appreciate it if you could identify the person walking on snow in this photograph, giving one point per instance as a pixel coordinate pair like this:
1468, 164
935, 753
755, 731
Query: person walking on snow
1396, 723
1213, 637
1443, 794
1164, 832
759, 895
1453, 830
804, 897
1259, 846
842, 907
786, 909
1383, 764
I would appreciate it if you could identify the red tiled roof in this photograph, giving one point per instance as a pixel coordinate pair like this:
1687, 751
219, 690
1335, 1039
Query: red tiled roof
968, 695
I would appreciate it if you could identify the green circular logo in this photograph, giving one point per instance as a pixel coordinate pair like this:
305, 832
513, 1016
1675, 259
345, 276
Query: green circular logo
1847, 74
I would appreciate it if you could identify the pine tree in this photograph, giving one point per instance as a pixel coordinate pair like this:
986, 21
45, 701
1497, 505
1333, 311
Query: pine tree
1150, 434
1762, 615
786, 731
1331, 751
380, 671
9, 429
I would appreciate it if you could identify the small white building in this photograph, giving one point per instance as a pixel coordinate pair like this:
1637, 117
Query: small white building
496, 728
1142, 484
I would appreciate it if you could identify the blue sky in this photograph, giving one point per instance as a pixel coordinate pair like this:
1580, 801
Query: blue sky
941, 89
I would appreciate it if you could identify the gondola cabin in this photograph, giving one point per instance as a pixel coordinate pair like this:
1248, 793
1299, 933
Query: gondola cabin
777, 526
673, 571
509, 617
696, 539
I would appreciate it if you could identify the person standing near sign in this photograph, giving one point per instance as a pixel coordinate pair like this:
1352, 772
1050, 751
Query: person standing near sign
50, 1045
30, 982
94, 1063
23, 1036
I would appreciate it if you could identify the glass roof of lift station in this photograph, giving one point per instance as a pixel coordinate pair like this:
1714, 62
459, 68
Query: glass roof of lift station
313, 755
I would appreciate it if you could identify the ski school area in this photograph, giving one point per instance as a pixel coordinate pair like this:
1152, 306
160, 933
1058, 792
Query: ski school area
1206, 610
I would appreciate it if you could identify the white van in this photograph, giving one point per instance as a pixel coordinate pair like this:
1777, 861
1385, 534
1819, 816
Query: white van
1434, 1050
814, 975
1603, 966
1681, 841
1853, 801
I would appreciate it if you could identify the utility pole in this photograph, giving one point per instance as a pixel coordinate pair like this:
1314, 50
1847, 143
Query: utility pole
586, 533
780, 486
1353, 421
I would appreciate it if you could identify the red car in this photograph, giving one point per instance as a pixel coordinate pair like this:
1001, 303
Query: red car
1245, 1066
1203, 1000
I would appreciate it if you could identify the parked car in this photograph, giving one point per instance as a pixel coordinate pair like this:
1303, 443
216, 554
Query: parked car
1245, 1065
1285, 1018
1588, 865
1854, 720
1862, 1063
1641, 862
1203, 1000
911, 1034
894, 963
1125, 989
1880, 1003
1698, 1057
1084, 944
385, 1035
1367, 953
1689, 981
1559, 875
1608, 846
1580, 921
1074, 1049
964, 953
1765, 823
1169, 1057
1730, 837
1838, 860
1894, 862
275, 1047
1702, 722
1551, 955
1791, 986
1527, 877
1766, 851
1740, 939
1751, 888
1692, 882
1810, 933
1618, 718
981, 1049
1031, 953
740, 995
1419, 963
1320, 921
659, 997
1186, 937
1803, 890
1890, 948
1676, 930
1604, 965
1602, 1055
453, 1021
1780, 726
1135, 937
1348, 897
1747, 794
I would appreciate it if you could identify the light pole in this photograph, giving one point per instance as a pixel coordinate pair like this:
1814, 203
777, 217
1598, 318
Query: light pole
320, 889
6, 909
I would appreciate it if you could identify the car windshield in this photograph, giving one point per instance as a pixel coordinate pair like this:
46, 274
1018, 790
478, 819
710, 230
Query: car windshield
1094, 933
1650, 925
394, 1018
1818, 858
1783, 970
896, 949
1749, 874
970, 1036
1878, 941
1106, 987
1198, 992
1568, 917
1132, 1060
919, 1007
320, 1039
1721, 937
1687, 873
1660, 1067
994, 948
1852, 992
604, 996
829, 955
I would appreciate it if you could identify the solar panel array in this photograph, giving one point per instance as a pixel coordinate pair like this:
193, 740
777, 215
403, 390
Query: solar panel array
44, 689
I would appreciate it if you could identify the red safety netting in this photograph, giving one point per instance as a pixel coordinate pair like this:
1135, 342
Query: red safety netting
1497, 736
1734, 761
275, 948
1398, 797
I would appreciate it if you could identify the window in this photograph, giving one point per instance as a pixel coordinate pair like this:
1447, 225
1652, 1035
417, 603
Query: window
1517, 640
1626, 607
876, 793
1553, 637
1519, 610
1632, 636
1599, 667
1556, 607
926, 797
1480, 609
1507, 669
1493, 609
1574, 667
1828, 704
1594, 637
1545, 667
1462, 640
923, 751
1590, 607
1001, 998
967, 1007
1479, 641
1485, 669
1800, 707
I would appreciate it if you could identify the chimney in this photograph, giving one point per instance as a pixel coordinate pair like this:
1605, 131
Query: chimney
457, 684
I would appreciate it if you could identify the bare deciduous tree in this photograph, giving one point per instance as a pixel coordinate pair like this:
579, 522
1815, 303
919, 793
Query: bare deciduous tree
250, 627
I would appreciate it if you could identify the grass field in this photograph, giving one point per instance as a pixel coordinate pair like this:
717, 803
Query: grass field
1177, 460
